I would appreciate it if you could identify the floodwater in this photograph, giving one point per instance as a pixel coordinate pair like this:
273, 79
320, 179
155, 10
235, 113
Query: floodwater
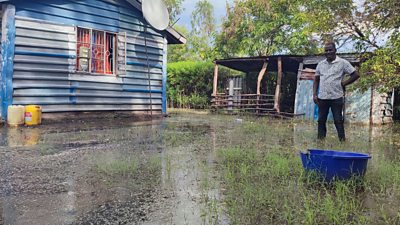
117, 171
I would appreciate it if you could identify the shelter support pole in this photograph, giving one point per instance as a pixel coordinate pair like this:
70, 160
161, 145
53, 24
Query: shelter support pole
260, 77
278, 87
215, 84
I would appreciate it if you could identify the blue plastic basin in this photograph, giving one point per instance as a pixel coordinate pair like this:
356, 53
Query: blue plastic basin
334, 164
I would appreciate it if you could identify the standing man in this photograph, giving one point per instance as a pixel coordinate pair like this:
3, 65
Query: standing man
329, 77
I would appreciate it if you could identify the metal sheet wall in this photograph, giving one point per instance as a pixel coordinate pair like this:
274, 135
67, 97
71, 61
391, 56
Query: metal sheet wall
1, 60
358, 106
45, 58
1, 30
304, 99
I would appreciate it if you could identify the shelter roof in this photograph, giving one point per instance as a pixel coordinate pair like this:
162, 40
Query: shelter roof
254, 64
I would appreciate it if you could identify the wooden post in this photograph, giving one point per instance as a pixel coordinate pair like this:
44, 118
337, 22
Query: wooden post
260, 77
278, 86
215, 84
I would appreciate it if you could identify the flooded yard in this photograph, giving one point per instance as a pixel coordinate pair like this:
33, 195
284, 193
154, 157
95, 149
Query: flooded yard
190, 169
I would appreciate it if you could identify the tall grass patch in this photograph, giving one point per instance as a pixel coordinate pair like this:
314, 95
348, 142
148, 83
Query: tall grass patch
265, 182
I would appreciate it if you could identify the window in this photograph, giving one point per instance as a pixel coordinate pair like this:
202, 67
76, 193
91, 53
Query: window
96, 51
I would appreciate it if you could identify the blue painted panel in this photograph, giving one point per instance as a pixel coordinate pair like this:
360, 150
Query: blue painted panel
45, 54
71, 13
144, 64
142, 90
7, 55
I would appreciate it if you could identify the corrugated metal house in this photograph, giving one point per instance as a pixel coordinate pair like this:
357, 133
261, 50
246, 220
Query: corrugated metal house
82, 55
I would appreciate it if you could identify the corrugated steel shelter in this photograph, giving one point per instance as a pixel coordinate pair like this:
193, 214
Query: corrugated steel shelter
368, 107
76, 55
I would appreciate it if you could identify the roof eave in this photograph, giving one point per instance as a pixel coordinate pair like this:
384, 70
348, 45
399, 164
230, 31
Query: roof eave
174, 37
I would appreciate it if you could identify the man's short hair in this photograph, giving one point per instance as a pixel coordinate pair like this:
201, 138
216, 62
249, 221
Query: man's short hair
330, 43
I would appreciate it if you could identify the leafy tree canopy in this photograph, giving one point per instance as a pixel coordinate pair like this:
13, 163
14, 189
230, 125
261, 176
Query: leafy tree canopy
383, 68
174, 8
203, 30
265, 27
178, 53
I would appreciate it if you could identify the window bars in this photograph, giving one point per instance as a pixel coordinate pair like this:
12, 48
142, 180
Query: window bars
95, 51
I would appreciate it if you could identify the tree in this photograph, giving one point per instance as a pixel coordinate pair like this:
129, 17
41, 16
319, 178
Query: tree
348, 22
265, 27
382, 69
174, 8
203, 30
178, 53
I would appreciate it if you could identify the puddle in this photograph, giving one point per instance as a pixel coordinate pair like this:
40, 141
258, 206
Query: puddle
154, 172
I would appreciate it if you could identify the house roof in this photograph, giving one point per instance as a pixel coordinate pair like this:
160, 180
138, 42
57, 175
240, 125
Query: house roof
173, 36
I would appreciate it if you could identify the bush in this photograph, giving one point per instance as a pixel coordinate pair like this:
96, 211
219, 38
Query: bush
190, 84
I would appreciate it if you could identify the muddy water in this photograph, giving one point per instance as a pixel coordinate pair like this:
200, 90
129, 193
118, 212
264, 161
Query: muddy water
116, 172
151, 172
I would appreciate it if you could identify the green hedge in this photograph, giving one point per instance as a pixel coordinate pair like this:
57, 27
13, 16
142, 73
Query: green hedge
190, 83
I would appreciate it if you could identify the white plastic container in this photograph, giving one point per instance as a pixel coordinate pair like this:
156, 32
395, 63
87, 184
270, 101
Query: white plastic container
16, 115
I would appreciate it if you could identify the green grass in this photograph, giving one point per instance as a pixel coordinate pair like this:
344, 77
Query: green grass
142, 172
271, 188
266, 184
122, 167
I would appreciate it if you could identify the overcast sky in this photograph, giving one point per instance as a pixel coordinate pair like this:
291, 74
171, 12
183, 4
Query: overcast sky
188, 5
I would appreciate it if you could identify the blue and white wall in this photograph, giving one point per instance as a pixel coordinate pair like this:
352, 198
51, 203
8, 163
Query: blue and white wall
45, 58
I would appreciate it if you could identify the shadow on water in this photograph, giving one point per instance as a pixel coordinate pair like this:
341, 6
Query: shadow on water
152, 172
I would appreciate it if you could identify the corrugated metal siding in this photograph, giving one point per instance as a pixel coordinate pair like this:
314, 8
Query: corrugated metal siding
1, 31
358, 106
304, 99
45, 57
1, 58
138, 36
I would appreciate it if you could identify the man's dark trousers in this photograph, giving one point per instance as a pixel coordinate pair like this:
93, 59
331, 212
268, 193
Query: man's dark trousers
336, 106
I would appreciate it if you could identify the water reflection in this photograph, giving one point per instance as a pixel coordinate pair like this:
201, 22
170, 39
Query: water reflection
22, 136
